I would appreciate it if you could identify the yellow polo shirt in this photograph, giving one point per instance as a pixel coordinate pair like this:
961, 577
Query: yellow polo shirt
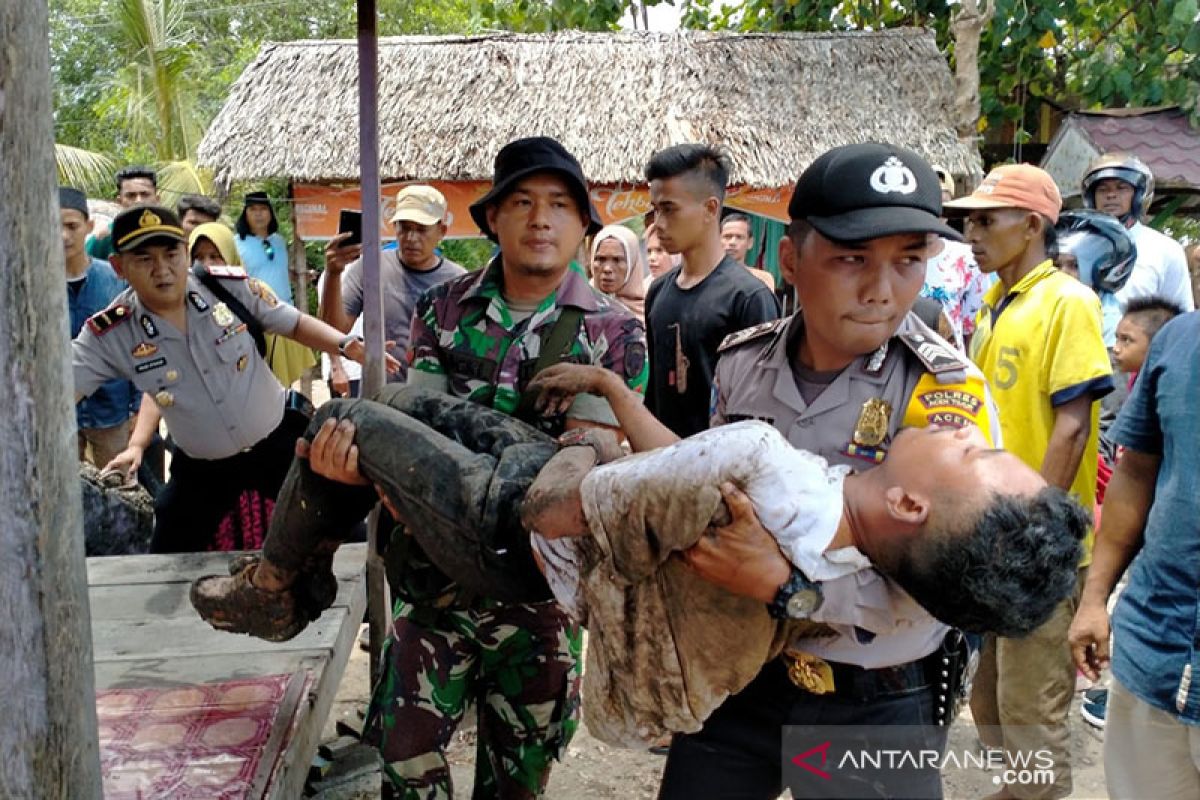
1039, 345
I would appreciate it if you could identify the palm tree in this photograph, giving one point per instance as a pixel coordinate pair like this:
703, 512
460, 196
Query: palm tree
87, 170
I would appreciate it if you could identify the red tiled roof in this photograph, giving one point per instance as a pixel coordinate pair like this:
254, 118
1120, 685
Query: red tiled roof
1163, 138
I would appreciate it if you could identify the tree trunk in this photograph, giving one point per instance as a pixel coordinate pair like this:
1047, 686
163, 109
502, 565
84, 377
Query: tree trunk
967, 25
48, 743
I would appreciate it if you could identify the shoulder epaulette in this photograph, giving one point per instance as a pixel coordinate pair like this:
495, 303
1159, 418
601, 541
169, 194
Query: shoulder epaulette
750, 334
229, 273
937, 356
104, 321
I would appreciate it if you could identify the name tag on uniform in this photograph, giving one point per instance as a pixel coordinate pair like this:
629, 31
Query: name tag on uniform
146, 366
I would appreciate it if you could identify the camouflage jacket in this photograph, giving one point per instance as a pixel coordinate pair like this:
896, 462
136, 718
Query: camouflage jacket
464, 332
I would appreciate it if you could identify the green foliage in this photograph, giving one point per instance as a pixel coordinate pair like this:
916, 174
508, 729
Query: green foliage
1078, 54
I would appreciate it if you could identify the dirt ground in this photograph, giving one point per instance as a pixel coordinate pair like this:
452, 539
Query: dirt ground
592, 770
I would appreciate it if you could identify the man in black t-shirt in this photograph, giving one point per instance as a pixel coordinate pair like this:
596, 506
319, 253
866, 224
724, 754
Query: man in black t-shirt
692, 308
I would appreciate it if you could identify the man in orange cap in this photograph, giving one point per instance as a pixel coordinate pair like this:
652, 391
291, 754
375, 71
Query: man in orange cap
1038, 342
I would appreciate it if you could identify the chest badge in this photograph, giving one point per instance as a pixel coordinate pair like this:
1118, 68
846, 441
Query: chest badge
222, 315
144, 350
242, 362
164, 399
872, 426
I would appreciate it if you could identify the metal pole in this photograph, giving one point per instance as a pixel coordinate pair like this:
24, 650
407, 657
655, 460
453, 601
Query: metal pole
373, 372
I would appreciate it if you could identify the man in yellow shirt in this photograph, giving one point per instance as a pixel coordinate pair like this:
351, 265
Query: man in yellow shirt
1038, 342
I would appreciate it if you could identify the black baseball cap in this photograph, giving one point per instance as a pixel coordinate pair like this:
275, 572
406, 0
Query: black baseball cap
525, 157
866, 191
141, 224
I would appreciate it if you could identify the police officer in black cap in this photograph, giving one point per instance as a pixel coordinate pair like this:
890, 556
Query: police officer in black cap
188, 344
838, 378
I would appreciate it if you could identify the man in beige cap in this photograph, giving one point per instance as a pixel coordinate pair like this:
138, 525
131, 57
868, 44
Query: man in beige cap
404, 273
1038, 343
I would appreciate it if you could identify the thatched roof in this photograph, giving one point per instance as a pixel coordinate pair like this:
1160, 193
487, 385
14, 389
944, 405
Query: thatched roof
447, 104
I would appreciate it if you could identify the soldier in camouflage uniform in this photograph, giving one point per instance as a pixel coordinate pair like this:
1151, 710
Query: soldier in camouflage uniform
481, 337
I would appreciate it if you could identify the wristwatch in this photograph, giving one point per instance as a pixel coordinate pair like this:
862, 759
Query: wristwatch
345, 342
799, 598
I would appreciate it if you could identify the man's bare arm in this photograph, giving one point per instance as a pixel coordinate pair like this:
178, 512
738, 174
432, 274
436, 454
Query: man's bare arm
1068, 440
560, 383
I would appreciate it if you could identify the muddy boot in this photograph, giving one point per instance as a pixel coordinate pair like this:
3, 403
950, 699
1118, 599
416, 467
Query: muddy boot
233, 603
315, 588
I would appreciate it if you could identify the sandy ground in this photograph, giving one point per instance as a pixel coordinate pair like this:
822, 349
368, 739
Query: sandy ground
593, 770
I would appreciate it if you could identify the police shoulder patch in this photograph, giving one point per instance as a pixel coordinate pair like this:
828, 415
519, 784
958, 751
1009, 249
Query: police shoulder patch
937, 356
229, 273
750, 334
104, 321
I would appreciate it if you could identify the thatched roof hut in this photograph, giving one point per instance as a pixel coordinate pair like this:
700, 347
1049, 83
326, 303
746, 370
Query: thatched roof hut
448, 103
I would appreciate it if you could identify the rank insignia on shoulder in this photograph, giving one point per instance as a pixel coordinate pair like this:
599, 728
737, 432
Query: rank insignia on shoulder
198, 302
230, 273
750, 334
104, 321
936, 356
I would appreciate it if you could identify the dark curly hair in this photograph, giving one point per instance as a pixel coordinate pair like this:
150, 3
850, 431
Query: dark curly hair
998, 569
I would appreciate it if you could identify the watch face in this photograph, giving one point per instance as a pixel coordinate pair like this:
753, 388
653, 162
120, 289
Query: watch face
803, 603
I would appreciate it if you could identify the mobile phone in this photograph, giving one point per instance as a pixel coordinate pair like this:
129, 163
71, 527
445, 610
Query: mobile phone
350, 220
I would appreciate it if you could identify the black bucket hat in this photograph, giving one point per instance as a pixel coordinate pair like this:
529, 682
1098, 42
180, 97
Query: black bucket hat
525, 157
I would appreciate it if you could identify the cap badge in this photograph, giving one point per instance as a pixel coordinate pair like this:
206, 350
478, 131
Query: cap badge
149, 219
893, 176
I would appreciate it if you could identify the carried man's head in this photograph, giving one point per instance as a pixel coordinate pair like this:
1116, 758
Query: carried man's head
538, 208
862, 217
150, 252
974, 534
687, 190
1120, 185
1011, 218
420, 223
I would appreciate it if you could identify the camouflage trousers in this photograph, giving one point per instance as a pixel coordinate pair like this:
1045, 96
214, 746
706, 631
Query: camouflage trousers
517, 664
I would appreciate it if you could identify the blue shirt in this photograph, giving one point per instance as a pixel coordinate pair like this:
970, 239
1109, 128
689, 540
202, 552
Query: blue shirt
1157, 620
267, 260
116, 401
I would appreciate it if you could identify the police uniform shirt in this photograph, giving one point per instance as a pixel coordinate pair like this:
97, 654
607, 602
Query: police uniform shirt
217, 395
851, 422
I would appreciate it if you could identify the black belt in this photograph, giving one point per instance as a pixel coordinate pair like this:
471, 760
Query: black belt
851, 681
944, 671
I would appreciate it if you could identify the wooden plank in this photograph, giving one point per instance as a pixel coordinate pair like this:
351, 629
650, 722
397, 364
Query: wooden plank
293, 770
285, 718
167, 672
186, 567
139, 601
183, 638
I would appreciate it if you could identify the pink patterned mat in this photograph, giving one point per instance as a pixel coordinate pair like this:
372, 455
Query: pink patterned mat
191, 742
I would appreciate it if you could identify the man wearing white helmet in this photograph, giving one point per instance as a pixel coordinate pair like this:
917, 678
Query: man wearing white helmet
1122, 185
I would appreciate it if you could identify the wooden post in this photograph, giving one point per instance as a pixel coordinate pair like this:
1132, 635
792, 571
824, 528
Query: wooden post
48, 746
373, 370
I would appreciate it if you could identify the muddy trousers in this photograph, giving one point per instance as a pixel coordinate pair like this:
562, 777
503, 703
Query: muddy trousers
457, 472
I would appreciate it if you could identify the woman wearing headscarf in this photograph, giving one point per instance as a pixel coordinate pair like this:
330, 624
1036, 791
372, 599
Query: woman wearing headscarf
263, 254
619, 267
